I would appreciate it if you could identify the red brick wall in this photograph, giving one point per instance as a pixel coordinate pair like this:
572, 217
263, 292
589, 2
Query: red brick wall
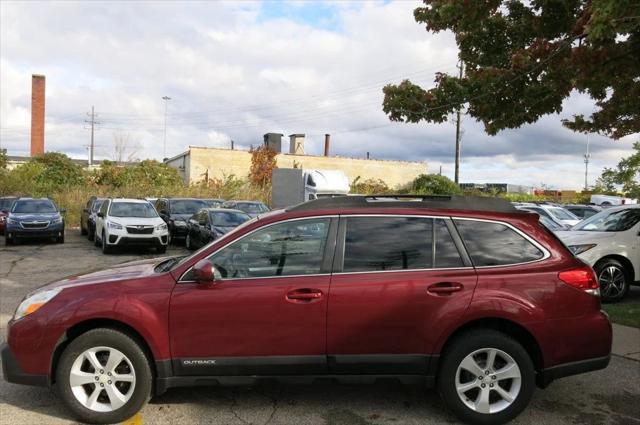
37, 114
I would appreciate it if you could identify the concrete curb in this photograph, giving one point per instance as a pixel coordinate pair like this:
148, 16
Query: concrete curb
626, 342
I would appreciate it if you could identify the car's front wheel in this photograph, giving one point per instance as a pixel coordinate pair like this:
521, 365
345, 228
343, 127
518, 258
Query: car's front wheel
106, 249
486, 377
613, 279
104, 376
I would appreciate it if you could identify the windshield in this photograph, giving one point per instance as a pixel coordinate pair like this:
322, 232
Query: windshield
228, 219
96, 205
187, 206
611, 221
561, 214
6, 204
35, 206
251, 208
132, 209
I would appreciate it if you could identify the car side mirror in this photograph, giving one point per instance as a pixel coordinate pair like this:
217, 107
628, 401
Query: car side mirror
203, 272
100, 215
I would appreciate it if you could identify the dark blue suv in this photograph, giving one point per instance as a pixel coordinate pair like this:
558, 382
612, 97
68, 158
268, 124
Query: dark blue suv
34, 218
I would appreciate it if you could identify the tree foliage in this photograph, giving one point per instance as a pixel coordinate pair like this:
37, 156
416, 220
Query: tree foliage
522, 59
434, 184
148, 173
55, 169
369, 186
263, 161
625, 174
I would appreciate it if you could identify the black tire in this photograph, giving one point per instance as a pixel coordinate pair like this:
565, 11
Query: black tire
106, 249
83, 231
120, 341
8, 240
187, 242
161, 249
91, 234
612, 289
60, 239
468, 343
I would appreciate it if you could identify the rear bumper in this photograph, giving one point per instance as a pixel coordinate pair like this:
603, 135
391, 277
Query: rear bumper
13, 373
546, 376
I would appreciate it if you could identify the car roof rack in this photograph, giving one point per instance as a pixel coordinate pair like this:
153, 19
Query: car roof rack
449, 202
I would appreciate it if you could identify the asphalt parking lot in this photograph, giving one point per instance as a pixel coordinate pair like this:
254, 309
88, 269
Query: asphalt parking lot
605, 397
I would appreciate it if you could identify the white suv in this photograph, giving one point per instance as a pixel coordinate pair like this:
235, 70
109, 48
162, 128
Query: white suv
124, 222
610, 242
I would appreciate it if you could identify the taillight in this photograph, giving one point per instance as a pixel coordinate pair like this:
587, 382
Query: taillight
582, 278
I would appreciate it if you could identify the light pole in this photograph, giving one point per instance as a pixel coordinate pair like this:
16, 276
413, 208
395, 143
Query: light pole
587, 155
164, 145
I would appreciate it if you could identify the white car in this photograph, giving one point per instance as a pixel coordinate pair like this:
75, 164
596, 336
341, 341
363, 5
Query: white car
552, 212
610, 242
125, 222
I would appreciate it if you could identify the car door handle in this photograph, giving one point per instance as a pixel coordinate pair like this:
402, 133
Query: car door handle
445, 288
304, 295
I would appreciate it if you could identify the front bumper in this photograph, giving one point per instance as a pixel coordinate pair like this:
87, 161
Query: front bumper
51, 231
179, 231
13, 373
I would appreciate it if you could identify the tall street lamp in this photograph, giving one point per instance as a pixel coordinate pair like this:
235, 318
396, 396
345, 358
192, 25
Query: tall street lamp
164, 151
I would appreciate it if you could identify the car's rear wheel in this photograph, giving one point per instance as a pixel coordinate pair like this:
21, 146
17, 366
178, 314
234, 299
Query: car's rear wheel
613, 279
486, 377
104, 376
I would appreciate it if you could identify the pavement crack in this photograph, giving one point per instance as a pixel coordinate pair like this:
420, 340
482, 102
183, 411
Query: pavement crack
12, 265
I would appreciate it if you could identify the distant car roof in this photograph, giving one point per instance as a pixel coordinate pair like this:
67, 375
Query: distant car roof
245, 202
132, 200
224, 210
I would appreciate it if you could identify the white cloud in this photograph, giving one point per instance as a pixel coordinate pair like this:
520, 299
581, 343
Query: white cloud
234, 72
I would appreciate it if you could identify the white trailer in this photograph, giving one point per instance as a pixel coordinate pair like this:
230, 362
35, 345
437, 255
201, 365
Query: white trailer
291, 186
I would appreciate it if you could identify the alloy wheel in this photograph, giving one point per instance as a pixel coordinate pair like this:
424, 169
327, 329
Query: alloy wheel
612, 281
488, 380
102, 379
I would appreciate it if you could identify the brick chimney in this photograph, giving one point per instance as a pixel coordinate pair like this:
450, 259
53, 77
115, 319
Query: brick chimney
37, 114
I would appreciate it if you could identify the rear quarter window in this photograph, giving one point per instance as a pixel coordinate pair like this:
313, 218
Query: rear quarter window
495, 244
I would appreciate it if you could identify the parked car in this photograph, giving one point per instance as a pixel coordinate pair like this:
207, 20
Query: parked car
583, 211
610, 242
608, 200
550, 224
214, 202
32, 218
6, 203
176, 211
211, 223
88, 216
253, 208
461, 293
552, 212
126, 222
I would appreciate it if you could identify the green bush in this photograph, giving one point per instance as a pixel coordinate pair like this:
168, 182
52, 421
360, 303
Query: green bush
434, 184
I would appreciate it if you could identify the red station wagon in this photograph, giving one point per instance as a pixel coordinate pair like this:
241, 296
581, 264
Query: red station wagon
465, 294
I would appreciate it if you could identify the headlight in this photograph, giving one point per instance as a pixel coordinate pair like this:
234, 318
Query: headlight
56, 220
161, 227
113, 225
579, 249
180, 223
11, 221
32, 303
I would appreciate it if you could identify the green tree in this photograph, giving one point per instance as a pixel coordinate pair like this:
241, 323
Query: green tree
522, 59
434, 184
626, 174
57, 170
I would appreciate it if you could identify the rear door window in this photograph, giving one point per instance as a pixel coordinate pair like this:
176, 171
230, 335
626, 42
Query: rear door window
387, 243
495, 244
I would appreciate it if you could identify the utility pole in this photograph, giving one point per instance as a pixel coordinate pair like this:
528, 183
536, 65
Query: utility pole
164, 151
460, 66
92, 121
587, 155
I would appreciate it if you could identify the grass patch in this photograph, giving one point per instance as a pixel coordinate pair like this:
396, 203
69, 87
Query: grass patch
627, 314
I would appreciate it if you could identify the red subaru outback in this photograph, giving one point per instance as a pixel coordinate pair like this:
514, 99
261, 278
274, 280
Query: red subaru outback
466, 294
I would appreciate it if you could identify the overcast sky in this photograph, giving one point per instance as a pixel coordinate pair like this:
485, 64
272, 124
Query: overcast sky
237, 70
